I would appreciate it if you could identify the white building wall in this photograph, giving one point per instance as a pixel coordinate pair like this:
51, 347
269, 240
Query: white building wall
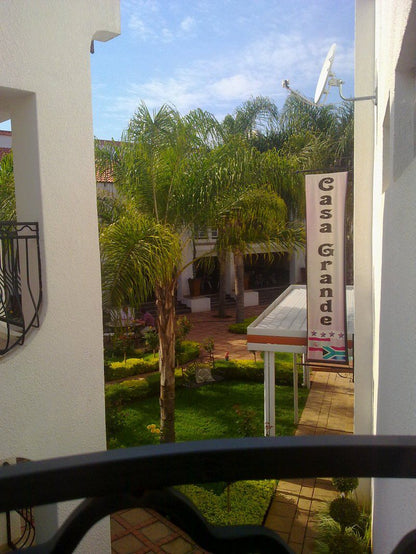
388, 304
51, 388
394, 254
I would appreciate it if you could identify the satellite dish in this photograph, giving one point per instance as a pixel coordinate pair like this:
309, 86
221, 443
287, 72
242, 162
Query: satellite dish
325, 75
326, 80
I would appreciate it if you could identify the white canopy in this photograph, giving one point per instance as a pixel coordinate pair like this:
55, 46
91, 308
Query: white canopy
282, 327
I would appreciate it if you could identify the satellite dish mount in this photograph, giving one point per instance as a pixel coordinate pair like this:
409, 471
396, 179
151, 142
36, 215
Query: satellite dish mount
327, 79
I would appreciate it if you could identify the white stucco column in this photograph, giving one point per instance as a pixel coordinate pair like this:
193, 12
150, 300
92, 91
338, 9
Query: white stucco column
52, 387
363, 201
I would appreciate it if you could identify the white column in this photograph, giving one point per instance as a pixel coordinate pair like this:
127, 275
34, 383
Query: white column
269, 395
295, 391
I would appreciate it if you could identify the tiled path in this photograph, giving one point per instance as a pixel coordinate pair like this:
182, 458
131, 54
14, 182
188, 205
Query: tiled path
329, 410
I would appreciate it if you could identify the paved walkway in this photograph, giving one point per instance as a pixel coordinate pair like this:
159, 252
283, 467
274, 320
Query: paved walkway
329, 410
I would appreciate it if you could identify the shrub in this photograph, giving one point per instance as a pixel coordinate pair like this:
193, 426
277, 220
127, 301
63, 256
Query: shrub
241, 328
120, 394
345, 484
132, 366
345, 512
151, 339
248, 370
189, 351
341, 543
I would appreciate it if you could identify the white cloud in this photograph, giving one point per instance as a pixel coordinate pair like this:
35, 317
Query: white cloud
140, 28
187, 24
220, 83
234, 87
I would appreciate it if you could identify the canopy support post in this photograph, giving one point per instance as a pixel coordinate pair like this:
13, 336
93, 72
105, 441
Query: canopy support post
269, 395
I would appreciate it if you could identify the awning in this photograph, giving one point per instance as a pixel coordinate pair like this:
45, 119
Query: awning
282, 326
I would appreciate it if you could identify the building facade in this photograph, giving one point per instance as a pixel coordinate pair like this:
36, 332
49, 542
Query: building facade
51, 387
385, 245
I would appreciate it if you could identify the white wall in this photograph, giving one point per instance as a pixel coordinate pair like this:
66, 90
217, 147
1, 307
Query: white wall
394, 255
386, 273
51, 388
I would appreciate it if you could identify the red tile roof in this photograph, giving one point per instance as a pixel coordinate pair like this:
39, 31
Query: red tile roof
4, 150
104, 176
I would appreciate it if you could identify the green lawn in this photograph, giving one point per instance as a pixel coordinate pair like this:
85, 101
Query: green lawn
208, 413
220, 410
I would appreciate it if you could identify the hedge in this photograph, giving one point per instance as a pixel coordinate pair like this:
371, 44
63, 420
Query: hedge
117, 394
241, 328
189, 351
138, 366
132, 366
247, 370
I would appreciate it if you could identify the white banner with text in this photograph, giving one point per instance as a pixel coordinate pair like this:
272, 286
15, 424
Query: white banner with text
325, 263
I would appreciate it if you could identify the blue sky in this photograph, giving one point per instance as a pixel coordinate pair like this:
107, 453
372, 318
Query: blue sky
215, 54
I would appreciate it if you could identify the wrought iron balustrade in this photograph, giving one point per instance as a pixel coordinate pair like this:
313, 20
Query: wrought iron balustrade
142, 476
20, 282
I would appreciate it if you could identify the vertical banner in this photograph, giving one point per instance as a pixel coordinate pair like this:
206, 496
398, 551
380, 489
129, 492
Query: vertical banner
325, 262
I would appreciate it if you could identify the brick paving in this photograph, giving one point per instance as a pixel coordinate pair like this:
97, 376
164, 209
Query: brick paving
293, 512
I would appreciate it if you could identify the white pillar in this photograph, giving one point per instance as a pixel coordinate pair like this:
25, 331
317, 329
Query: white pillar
269, 395
295, 391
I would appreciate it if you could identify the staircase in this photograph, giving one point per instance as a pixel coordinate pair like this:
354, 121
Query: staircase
229, 301
181, 308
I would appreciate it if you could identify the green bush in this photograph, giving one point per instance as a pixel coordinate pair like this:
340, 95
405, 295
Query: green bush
241, 328
345, 512
248, 501
248, 370
188, 351
132, 366
345, 544
345, 484
120, 394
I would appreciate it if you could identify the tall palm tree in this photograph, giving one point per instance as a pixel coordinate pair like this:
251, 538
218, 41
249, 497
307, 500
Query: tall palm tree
150, 169
139, 256
243, 204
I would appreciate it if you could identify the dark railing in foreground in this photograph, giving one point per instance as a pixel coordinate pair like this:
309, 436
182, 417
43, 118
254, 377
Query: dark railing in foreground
142, 476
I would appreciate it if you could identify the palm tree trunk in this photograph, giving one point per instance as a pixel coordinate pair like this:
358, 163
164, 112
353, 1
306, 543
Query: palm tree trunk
222, 260
239, 286
165, 302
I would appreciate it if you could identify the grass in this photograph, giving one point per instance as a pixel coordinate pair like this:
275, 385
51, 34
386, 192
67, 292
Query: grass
219, 410
207, 413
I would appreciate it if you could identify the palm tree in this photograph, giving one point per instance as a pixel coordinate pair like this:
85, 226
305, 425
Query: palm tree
150, 168
7, 193
139, 256
245, 207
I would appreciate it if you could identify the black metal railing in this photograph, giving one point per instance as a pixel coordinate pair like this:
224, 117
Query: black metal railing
26, 535
20, 282
142, 476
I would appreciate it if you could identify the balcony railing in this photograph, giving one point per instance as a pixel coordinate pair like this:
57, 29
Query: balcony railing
142, 476
20, 282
